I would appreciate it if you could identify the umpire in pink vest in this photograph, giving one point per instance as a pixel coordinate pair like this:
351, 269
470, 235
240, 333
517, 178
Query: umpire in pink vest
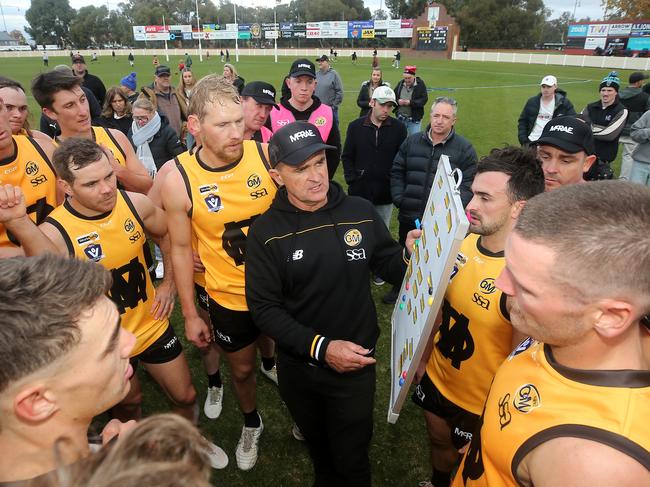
304, 105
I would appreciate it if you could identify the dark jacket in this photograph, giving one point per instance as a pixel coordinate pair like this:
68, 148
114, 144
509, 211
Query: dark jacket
606, 125
368, 157
122, 124
308, 273
363, 100
239, 83
563, 106
165, 145
637, 102
415, 167
94, 84
334, 139
51, 128
419, 98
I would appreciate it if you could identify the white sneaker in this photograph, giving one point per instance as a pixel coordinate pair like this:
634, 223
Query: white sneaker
247, 446
160, 270
218, 457
213, 402
271, 375
297, 434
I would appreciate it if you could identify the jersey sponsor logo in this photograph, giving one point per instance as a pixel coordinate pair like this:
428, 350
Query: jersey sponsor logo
487, 285
253, 181
134, 237
259, 193
31, 168
320, 121
527, 398
298, 254
522, 347
504, 411
481, 301
38, 180
213, 202
355, 254
94, 252
282, 123
352, 237
208, 188
10, 169
129, 226
89, 237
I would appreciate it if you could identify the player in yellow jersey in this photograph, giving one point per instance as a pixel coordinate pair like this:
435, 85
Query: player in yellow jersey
61, 98
473, 334
570, 406
26, 163
13, 94
101, 224
216, 193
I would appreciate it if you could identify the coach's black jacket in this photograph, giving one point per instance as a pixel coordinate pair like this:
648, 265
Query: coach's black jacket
308, 273
529, 114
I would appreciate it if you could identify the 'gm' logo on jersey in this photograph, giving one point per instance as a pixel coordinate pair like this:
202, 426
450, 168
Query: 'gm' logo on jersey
253, 181
320, 121
487, 285
94, 252
213, 202
129, 226
352, 237
31, 168
527, 398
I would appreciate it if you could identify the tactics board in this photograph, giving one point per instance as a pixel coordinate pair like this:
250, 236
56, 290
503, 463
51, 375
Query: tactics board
444, 226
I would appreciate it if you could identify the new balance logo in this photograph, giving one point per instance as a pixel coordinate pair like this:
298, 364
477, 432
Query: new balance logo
297, 255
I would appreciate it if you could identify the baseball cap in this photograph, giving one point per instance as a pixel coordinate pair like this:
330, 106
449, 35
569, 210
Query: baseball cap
410, 70
296, 142
261, 92
78, 58
549, 80
383, 94
637, 76
571, 134
323, 58
163, 71
302, 67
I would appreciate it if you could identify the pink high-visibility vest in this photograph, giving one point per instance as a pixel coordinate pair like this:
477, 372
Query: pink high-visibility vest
322, 118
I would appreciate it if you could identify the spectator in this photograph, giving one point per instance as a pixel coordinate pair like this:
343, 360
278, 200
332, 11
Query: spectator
90, 81
155, 61
329, 87
354, 58
227, 56
607, 119
550, 103
411, 93
398, 57
230, 73
188, 60
640, 134
131, 59
222, 55
163, 97
367, 88
117, 111
129, 84
183, 93
637, 102
46, 59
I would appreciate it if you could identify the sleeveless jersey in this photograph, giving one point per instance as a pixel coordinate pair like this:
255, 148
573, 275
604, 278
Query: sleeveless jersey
31, 170
225, 202
475, 336
322, 117
116, 240
102, 136
534, 399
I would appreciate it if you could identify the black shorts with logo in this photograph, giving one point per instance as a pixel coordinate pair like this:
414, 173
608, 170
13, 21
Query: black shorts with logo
201, 296
461, 422
165, 349
233, 330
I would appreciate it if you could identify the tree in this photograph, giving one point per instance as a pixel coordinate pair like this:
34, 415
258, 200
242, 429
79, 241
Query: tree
380, 15
49, 21
16, 34
90, 27
405, 8
627, 9
555, 30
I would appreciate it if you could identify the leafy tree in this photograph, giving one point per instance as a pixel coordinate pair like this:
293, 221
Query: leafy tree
405, 8
90, 27
555, 30
49, 21
16, 34
627, 9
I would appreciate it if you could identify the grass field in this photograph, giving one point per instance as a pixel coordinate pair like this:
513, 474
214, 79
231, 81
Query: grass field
490, 97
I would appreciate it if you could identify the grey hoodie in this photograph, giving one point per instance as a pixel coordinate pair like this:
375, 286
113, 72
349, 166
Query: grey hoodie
640, 133
329, 89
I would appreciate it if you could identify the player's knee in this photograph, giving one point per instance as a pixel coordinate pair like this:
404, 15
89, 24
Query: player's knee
243, 372
185, 397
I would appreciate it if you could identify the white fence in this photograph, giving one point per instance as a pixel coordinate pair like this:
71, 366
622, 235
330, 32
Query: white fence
556, 59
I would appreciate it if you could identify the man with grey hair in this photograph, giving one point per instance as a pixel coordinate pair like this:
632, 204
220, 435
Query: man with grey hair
570, 404
416, 162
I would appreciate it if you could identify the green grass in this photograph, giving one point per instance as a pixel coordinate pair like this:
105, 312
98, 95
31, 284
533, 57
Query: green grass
490, 96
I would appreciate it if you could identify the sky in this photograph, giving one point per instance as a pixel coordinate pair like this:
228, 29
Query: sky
14, 10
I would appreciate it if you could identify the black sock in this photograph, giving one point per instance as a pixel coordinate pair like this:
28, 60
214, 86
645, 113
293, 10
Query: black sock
252, 419
440, 479
214, 380
268, 362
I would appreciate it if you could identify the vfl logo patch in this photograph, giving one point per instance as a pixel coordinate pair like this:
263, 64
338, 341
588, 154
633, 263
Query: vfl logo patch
31, 168
89, 237
94, 252
527, 398
208, 188
320, 121
213, 202
522, 347
352, 237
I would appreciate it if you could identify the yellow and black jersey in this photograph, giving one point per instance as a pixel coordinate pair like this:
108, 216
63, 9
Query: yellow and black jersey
116, 240
534, 399
104, 137
31, 170
475, 335
225, 201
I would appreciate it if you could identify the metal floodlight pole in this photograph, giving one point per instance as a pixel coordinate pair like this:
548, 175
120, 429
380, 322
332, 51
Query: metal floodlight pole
275, 26
198, 28
234, 6
165, 29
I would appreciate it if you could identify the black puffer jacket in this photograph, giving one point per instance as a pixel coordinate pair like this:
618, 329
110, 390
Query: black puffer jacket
415, 166
563, 106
